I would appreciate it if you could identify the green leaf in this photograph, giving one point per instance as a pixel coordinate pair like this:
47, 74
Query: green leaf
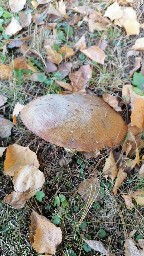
41, 77
1, 11
56, 219
138, 91
101, 233
60, 35
68, 30
139, 236
138, 80
40, 195
83, 225
62, 198
86, 248
70, 252
56, 201
7, 15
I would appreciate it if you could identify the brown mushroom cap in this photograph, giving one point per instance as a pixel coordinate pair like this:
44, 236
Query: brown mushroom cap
77, 121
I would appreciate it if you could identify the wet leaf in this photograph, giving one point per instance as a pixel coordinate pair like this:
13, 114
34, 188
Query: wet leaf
13, 27
16, 5
5, 127
53, 55
97, 246
139, 44
66, 51
44, 235
110, 168
112, 101
16, 156
95, 54
89, 189
121, 176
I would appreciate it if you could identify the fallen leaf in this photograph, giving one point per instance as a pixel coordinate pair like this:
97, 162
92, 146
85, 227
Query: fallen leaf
121, 176
44, 235
112, 101
97, 246
141, 171
16, 156
95, 54
64, 85
15, 43
128, 201
114, 11
131, 249
53, 55
2, 150
110, 168
61, 8
17, 199
89, 189
3, 100
64, 69
17, 109
139, 44
53, 11
66, 51
81, 44
5, 72
16, 5
137, 115
80, 79
138, 197
13, 27
134, 130
50, 67
137, 65
20, 63
5, 127
25, 19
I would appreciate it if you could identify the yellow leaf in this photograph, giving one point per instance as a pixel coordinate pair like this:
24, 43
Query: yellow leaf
114, 11
5, 72
66, 51
95, 54
110, 168
35, 4
137, 115
16, 156
44, 235
119, 180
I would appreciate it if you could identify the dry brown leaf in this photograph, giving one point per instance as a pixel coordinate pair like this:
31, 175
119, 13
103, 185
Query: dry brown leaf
112, 101
64, 69
16, 5
2, 150
141, 171
131, 249
137, 115
61, 8
128, 201
121, 176
114, 11
44, 235
64, 85
13, 27
134, 130
89, 189
137, 65
81, 44
16, 156
95, 54
17, 199
50, 67
80, 79
138, 197
139, 44
97, 246
5, 127
3, 100
5, 72
25, 19
110, 168
53, 55
66, 51
17, 109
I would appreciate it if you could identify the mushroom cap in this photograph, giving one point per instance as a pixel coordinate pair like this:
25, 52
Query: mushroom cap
82, 122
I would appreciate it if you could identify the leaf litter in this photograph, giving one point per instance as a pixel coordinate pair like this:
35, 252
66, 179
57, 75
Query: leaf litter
21, 163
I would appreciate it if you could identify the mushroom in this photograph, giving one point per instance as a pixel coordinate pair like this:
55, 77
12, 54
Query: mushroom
82, 122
